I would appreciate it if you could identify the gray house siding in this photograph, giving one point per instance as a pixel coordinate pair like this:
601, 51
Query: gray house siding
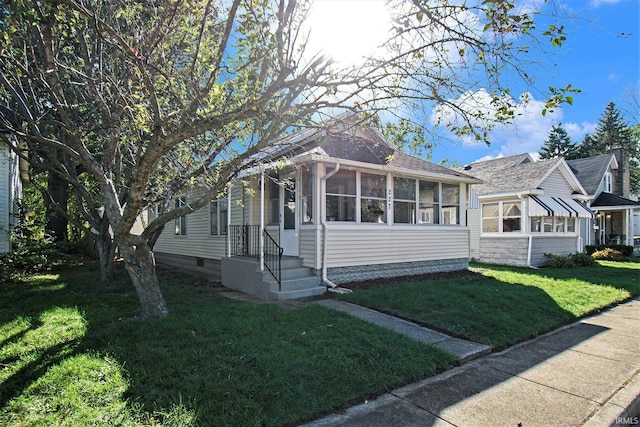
504, 250
556, 245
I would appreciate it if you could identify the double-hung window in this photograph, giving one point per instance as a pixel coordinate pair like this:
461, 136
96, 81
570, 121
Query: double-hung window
218, 210
404, 201
372, 198
181, 221
341, 196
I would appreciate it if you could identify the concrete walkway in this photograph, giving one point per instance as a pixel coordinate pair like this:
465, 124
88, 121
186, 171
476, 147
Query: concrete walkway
463, 350
585, 374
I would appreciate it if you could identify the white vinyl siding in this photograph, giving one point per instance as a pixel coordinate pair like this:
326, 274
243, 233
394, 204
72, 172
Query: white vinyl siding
368, 244
473, 218
556, 185
5, 197
310, 246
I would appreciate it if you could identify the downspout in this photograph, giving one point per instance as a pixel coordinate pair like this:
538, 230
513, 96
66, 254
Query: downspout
332, 287
527, 224
261, 236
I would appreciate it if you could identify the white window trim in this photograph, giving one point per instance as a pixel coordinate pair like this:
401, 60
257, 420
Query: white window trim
556, 221
608, 182
501, 219
219, 217
181, 221
390, 201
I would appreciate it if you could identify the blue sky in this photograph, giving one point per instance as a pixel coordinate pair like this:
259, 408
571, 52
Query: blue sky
600, 57
596, 57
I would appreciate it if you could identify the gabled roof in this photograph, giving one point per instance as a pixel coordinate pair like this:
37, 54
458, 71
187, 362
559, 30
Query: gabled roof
591, 170
609, 200
509, 174
344, 139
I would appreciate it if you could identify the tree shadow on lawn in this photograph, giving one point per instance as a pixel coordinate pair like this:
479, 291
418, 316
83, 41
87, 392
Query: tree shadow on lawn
193, 367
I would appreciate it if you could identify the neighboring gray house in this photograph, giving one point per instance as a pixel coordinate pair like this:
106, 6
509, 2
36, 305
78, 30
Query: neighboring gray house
524, 210
342, 206
13, 172
606, 180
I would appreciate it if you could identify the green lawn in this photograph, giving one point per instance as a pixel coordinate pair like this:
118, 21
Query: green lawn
501, 306
68, 356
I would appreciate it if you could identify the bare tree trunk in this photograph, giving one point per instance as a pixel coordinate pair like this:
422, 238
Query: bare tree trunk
57, 223
140, 264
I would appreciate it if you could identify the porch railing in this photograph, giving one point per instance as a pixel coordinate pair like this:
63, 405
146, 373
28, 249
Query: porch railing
245, 241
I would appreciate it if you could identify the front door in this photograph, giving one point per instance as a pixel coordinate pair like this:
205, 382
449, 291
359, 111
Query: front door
288, 216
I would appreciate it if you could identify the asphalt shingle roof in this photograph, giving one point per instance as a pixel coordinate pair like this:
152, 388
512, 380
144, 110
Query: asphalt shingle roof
590, 171
508, 174
608, 199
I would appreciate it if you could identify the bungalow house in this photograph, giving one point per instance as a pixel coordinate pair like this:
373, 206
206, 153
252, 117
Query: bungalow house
524, 209
13, 172
606, 179
340, 205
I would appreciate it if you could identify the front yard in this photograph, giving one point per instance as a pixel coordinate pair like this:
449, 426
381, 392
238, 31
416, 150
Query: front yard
501, 306
68, 356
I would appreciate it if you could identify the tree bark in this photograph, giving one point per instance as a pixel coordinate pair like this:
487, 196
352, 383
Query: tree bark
140, 264
57, 223
106, 251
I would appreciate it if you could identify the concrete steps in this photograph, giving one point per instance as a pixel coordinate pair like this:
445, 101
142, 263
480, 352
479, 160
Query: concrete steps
297, 281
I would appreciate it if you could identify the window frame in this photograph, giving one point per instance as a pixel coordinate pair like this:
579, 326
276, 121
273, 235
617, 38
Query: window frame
500, 217
222, 225
550, 224
181, 221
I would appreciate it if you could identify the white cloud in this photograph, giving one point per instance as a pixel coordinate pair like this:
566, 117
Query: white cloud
598, 3
613, 77
528, 131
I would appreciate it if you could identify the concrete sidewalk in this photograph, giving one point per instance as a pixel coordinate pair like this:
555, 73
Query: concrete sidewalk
585, 374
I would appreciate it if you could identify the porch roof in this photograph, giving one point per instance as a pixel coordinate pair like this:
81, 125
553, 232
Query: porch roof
558, 206
613, 201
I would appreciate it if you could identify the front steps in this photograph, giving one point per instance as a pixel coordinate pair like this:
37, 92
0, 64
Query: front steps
297, 281
243, 274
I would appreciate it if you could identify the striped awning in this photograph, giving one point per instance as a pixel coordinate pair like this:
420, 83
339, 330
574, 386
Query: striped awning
558, 206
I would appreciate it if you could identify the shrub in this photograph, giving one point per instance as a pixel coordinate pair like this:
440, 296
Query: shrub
627, 251
609, 254
572, 260
28, 259
583, 260
557, 261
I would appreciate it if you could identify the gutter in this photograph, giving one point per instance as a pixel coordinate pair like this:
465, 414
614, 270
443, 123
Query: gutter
332, 287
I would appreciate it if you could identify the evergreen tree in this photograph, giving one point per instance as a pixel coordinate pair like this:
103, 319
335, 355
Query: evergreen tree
558, 144
613, 131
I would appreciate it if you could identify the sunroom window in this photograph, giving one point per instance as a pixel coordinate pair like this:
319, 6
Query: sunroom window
501, 217
372, 198
450, 203
429, 202
490, 217
404, 200
341, 196
511, 216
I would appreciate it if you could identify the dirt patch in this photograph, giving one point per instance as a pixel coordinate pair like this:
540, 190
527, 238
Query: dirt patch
374, 283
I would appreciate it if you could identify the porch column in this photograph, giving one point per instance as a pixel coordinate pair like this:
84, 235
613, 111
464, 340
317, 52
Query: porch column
261, 233
229, 220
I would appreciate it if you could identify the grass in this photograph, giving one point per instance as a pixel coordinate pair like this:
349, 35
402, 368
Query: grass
69, 357
501, 306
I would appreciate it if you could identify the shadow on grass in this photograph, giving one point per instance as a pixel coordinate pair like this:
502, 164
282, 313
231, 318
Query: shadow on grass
212, 361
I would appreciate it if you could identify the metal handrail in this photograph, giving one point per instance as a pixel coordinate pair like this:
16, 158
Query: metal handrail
273, 258
245, 242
